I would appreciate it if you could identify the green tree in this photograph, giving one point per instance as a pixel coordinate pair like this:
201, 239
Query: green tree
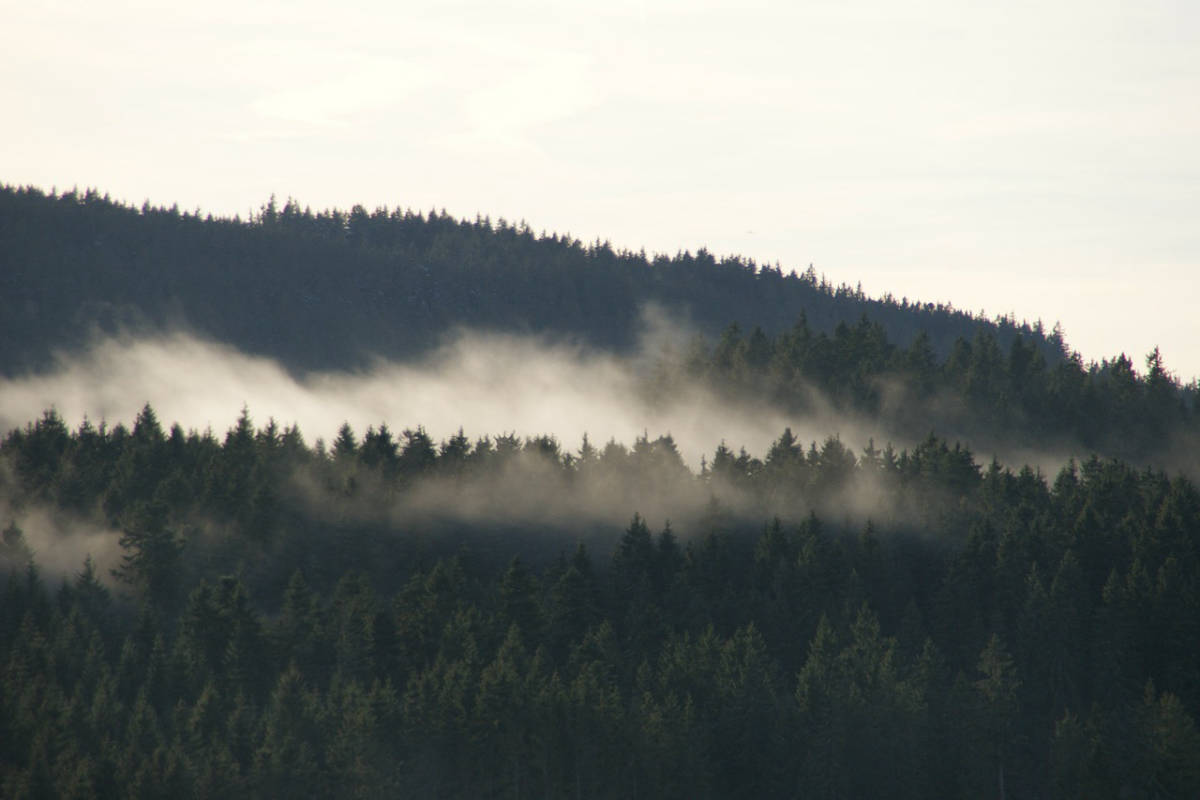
151, 554
998, 689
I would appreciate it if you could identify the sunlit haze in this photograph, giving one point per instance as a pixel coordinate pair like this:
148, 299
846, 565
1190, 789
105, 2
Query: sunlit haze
485, 385
1030, 158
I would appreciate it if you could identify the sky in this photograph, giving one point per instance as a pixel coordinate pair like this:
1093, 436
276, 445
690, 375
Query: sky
1039, 159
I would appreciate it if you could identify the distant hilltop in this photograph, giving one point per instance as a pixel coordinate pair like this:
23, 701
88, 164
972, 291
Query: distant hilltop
335, 288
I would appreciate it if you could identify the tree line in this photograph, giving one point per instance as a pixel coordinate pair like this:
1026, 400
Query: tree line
332, 289
980, 392
986, 631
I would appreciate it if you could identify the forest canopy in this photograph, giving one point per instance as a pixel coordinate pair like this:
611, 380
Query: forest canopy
387, 612
813, 620
331, 289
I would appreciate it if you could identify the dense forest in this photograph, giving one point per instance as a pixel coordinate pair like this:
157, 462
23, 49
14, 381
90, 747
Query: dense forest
186, 613
285, 620
328, 290
1010, 400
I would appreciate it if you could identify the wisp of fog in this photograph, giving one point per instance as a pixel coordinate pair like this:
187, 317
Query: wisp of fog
482, 383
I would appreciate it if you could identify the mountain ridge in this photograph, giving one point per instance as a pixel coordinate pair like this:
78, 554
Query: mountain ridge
309, 289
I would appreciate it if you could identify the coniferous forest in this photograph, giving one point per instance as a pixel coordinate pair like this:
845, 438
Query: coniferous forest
332, 288
251, 613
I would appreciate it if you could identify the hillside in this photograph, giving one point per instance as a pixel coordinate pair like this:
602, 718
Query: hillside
394, 618
395, 613
329, 290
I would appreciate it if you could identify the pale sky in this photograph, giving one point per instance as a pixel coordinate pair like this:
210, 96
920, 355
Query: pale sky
1039, 158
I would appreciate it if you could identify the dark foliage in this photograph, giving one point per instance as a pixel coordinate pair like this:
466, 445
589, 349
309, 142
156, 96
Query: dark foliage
328, 290
1011, 400
395, 616
990, 632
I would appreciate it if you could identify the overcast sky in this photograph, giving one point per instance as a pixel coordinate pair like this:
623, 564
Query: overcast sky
1039, 158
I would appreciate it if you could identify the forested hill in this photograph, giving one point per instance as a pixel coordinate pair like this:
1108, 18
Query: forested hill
327, 290
374, 621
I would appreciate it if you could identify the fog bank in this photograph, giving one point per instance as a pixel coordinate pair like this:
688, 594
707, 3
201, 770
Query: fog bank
483, 383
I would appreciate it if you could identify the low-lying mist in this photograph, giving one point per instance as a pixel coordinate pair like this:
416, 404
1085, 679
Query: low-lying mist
486, 385
58, 542
483, 383
524, 405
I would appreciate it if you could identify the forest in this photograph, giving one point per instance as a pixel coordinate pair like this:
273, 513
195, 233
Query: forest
988, 396
331, 289
279, 619
999, 599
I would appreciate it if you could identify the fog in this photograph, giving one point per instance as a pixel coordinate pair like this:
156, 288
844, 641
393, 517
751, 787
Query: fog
484, 383
58, 543
487, 385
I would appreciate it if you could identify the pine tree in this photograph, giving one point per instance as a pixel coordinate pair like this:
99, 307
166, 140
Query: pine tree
150, 561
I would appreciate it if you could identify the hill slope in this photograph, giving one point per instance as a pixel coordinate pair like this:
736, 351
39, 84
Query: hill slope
327, 290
